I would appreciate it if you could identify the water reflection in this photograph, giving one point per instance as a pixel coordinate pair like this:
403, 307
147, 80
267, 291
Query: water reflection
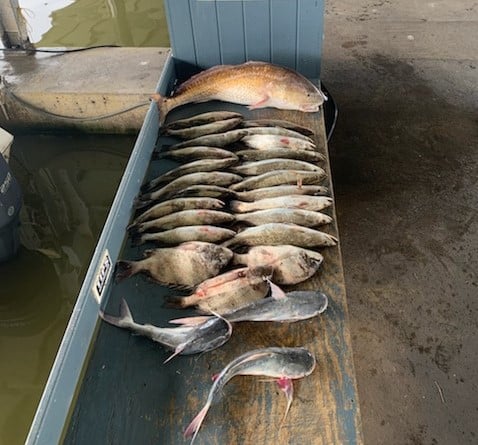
68, 184
92, 22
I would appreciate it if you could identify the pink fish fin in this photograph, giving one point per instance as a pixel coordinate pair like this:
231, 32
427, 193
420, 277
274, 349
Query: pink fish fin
177, 351
286, 386
214, 377
193, 428
261, 104
299, 183
276, 292
190, 321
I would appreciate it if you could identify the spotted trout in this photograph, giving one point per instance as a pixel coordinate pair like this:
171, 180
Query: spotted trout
184, 340
283, 364
256, 84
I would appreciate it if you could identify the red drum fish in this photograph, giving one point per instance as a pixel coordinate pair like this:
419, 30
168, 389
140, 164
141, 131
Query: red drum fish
256, 84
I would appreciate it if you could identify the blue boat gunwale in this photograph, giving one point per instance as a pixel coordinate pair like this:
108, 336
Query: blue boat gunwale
64, 380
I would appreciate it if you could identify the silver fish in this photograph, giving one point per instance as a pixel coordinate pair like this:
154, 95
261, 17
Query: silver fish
200, 166
203, 178
208, 234
296, 306
283, 364
183, 340
212, 191
201, 119
274, 234
278, 123
290, 264
305, 218
306, 202
184, 218
183, 266
204, 129
279, 131
214, 140
280, 152
176, 205
268, 165
267, 141
280, 177
280, 191
195, 153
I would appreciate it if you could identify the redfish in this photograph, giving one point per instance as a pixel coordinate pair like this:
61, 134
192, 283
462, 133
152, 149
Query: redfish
256, 84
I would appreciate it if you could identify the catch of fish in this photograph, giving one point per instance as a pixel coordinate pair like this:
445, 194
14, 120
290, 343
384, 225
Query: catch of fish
242, 212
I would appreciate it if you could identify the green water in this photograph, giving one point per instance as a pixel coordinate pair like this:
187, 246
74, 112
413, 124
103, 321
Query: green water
91, 22
68, 183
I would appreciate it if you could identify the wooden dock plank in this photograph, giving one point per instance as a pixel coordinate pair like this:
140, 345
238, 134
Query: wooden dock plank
130, 396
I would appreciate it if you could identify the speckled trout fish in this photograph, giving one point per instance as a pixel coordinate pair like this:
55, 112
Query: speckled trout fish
256, 84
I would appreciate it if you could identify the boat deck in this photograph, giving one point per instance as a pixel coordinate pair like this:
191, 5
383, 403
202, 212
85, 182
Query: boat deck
129, 396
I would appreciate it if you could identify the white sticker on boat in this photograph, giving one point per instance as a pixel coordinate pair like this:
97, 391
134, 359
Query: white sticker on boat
102, 276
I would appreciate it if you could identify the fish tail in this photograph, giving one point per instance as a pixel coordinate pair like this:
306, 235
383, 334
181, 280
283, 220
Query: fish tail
193, 428
176, 302
125, 269
135, 229
163, 106
136, 239
124, 320
141, 201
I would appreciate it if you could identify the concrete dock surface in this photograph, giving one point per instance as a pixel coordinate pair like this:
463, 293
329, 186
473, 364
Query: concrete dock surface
405, 168
101, 90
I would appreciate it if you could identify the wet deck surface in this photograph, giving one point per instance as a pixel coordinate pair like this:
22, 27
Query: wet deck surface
129, 396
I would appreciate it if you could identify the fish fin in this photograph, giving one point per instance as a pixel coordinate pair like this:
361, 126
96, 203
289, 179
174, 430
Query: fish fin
177, 351
136, 239
299, 183
229, 324
140, 202
193, 428
174, 302
124, 269
261, 104
287, 387
276, 292
190, 321
125, 312
123, 320
175, 286
163, 108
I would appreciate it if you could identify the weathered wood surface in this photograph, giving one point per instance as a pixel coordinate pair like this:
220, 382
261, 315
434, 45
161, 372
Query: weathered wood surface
129, 396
